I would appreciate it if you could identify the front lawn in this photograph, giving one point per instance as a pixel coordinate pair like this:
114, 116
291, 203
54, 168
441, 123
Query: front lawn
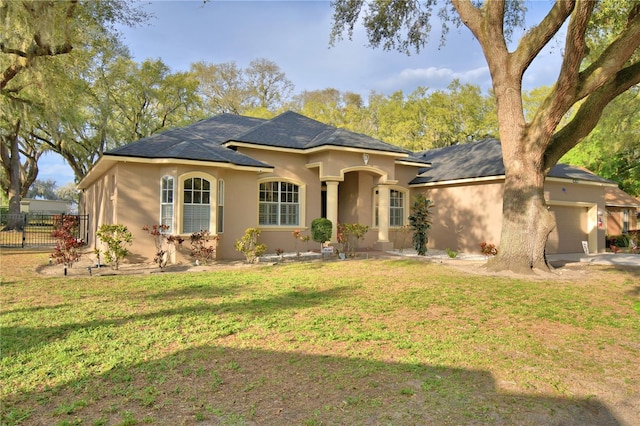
371, 341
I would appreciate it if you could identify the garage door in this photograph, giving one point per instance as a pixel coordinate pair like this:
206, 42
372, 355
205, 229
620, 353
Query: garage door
571, 230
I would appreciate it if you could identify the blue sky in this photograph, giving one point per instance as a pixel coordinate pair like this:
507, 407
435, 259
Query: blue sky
295, 35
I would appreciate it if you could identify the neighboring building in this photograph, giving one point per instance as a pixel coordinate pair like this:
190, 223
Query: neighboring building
32, 205
229, 173
621, 214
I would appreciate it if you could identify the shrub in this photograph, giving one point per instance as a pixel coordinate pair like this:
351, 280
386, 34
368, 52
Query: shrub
488, 249
164, 243
67, 249
116, 238
297, 235
618, 240
348, 236
201, 251
248, 245
321, 230
451, 253
420, 220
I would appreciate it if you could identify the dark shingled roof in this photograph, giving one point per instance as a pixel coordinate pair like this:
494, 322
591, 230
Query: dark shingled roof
213, 139
199, 141
482, 159
294, 131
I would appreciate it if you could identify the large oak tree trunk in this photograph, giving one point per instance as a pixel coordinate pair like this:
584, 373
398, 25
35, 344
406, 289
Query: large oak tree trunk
526, 225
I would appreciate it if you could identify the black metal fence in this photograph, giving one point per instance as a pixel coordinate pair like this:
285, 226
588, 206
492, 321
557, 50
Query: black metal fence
35, 229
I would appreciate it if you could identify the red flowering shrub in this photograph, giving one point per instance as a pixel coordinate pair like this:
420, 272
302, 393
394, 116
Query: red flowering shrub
67, 250
164, 243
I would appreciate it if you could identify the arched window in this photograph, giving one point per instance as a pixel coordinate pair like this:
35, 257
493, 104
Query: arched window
196, 211
166, 203
279, 204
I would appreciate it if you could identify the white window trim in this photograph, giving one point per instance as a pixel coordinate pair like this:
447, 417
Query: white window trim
172, 204
179, 199
405, 206
302, 197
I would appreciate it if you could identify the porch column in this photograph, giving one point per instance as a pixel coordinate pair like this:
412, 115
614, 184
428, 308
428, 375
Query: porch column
383, 214
332, 208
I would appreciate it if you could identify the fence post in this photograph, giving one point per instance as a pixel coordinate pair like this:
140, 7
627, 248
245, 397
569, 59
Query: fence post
24, 229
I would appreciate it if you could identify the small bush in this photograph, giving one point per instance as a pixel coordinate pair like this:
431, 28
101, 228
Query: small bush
488, 249
248, 245
67, 250
164, 243
201, 250
618, 241
451, 253
297, 235
116, 238
321, 230
348, 236
420, 220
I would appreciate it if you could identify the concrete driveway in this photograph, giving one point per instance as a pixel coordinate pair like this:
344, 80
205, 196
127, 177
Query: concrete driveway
621, 259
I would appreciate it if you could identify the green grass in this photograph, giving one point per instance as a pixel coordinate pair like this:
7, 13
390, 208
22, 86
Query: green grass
357, 342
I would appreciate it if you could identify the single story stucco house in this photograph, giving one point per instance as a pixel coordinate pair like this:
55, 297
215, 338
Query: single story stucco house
228, 173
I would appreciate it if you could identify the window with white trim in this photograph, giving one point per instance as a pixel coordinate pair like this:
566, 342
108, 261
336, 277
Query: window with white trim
166, 203
279, 204
220, 217
196, 199
397, 215
396, 208
625, 221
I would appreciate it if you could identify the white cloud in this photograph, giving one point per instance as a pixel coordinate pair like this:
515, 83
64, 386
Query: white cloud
434, 78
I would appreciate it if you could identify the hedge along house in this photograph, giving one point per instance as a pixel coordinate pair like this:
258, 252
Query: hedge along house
229, 173
465, 182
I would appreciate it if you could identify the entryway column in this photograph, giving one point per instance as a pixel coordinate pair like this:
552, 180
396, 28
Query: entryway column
332, 208
383, 213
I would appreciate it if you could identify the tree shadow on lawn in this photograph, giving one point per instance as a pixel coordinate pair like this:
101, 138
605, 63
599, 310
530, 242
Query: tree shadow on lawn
16, 340
228, 385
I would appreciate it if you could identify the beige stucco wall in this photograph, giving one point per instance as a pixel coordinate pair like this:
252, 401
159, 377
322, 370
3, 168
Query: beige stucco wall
129, 194
465, 215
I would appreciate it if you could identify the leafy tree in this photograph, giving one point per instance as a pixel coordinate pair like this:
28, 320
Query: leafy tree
612, 150
267, 86
112, 100
45, 189
600, 62
36, 34
221, 87
68, 192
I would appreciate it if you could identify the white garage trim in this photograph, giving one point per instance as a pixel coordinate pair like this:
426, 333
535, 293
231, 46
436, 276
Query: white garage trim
592, 220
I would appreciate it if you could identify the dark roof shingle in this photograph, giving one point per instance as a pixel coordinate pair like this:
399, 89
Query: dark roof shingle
482, 159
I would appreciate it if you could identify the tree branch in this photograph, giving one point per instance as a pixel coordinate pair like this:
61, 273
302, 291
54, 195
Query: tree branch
535, 39
589, 113
613, 57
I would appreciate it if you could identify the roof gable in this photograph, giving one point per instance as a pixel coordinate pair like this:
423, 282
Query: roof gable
199, 141
291, 130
